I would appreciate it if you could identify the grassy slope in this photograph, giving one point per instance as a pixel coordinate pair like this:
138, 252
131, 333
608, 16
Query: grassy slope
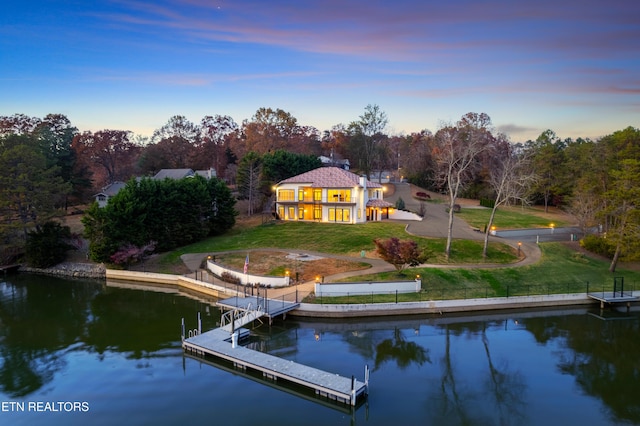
338, 239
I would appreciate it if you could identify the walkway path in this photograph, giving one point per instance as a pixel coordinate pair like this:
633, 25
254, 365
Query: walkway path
434, 224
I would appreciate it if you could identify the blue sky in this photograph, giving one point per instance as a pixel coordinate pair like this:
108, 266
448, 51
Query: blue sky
572, 66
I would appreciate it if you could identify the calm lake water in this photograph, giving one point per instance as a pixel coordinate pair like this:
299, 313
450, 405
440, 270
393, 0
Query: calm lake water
83, 352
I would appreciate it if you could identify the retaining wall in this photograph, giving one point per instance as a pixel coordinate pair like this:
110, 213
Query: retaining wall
438, 306
174, 280
248, 278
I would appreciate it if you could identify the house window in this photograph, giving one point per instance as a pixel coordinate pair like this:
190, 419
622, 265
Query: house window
317, 212
286, 195
292, 213
339, 215
317, 195
281, 212
339, 195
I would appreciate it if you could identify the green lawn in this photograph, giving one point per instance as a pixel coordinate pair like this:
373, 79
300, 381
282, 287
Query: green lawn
508, 218
561, 270
339, 239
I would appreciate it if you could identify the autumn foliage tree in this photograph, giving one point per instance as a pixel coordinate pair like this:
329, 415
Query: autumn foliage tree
400, 253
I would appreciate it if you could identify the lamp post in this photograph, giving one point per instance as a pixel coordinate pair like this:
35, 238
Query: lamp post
552, 227
519, 247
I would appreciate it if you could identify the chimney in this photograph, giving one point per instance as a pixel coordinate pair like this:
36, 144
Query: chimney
363, 182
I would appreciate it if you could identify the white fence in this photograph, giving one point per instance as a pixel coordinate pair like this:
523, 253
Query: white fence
356, 288
404, 215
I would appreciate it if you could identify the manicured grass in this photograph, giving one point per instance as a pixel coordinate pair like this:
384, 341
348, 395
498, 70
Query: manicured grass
561, 270
339, 239
508, 218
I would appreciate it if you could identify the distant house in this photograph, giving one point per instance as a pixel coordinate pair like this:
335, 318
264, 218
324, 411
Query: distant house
330, 194
184, 173
332, 162
174, 174
102, 197
112, 189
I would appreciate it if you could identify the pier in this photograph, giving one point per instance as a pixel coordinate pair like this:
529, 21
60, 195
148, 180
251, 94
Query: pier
222, 343
618, 295
611, 297
9, 268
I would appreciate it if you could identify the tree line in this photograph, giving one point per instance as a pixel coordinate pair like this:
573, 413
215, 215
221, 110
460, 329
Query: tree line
49, 165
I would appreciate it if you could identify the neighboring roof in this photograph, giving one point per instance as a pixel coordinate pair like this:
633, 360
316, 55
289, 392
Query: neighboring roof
379, 203
112, 189
173, 174
327, 160
329, 177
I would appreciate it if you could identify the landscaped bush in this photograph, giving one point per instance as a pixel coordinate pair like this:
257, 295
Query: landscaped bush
230, 278
598, 245
487, 202
400, 204
423, 195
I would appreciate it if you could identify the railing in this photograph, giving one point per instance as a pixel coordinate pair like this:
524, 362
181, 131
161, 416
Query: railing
237, 318
463, 292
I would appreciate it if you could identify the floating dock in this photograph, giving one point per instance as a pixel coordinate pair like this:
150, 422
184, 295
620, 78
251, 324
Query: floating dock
612, 297
222, 343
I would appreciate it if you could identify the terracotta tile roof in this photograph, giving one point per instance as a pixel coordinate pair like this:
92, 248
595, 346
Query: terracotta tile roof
378, 203
329, 177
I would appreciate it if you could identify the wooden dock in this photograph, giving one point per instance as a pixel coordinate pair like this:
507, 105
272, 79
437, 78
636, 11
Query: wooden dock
222, 344
9, 268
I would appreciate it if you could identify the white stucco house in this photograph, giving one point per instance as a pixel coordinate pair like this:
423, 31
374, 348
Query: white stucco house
330, 194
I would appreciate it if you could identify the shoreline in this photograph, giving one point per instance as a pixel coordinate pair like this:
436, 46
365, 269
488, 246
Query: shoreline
126, 278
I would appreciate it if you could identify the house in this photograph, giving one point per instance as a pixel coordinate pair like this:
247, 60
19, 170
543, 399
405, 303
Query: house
330, 194
112, 189
184, 173
102, 197
331, 162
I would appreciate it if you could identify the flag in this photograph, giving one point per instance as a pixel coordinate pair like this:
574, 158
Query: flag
246, 264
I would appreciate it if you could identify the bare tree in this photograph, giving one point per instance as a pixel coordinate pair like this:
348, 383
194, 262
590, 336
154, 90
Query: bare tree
456, 153
249, 178
584, 206
368, 136
510, 179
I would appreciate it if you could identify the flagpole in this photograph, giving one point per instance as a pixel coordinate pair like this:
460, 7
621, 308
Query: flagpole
246, 270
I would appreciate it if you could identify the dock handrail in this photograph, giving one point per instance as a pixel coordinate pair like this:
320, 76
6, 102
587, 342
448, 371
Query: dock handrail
237, 318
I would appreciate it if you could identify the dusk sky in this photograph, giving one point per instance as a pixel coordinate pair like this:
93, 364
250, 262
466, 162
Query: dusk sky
572, 66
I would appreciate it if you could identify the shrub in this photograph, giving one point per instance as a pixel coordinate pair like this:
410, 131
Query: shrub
230, 278
487, 202
423, 195
598, 245
129, 254
400, 204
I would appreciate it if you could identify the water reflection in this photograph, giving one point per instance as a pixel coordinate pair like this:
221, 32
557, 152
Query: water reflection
44, 318
518, 367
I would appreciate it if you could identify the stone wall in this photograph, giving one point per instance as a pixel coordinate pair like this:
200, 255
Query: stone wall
70, 269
